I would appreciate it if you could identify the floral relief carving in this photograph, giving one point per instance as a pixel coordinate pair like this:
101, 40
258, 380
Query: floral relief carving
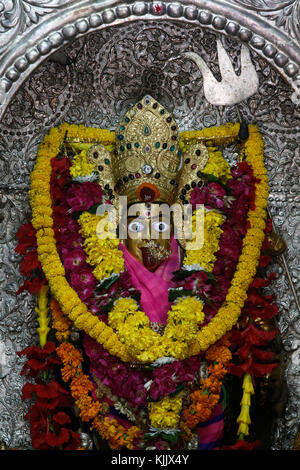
285, 14
18, 15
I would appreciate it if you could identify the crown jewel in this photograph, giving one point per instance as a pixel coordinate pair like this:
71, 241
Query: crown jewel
147, 161
147, 164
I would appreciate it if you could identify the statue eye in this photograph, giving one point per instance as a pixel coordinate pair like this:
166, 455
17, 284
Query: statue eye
135, 226
160, 226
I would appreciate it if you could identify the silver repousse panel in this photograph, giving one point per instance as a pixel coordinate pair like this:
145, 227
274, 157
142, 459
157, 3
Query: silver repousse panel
93, 80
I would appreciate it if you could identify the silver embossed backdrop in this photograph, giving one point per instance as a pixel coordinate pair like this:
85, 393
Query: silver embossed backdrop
87, 62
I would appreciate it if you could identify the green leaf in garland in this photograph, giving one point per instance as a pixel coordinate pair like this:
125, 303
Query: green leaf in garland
136, 296
178, 389
184, 273
175, 293
107, 283
93, 209
107, 308
173, 438
212, 178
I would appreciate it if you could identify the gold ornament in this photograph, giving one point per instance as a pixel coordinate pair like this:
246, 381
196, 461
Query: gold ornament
195, 159
147, 164
276, 244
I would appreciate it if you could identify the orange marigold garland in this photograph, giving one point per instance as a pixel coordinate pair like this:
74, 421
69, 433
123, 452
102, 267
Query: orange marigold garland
81, 386
60, 322
206, 398
115, 434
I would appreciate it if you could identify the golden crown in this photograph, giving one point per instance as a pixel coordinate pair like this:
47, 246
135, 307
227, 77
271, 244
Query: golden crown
147, 164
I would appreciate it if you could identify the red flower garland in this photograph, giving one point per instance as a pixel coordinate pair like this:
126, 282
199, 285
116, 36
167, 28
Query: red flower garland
47, 416
250, 338
30, 265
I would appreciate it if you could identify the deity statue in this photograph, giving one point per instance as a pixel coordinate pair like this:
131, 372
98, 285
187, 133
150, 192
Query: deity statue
148, 169
166, 301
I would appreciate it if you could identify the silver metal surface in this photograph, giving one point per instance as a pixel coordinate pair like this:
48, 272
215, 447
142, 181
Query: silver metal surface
233, 88
87, 62
31, 31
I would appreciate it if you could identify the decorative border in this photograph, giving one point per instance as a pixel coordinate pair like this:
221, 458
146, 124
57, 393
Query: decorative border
61, 26
242, 16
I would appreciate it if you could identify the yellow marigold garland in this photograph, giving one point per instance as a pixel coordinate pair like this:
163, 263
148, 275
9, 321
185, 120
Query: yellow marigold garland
53, 269
204, 256
80, 165
146, 345
165, 413
42, 221
103, 253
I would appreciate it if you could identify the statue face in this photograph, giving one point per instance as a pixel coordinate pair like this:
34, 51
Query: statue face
149, 235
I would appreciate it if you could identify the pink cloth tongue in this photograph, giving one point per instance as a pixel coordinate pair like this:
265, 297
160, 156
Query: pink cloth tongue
153, 286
